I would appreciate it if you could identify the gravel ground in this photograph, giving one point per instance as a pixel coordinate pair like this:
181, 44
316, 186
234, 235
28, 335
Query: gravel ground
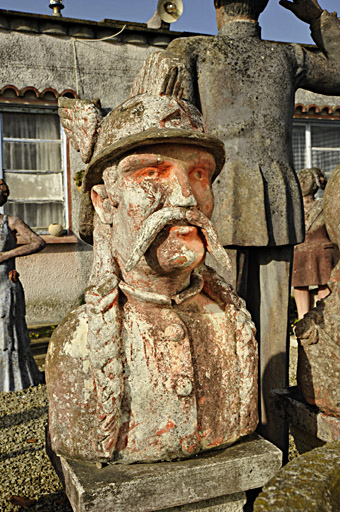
293, 357
27, 478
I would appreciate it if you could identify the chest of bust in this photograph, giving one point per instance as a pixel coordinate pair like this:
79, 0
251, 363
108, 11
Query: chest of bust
180, 381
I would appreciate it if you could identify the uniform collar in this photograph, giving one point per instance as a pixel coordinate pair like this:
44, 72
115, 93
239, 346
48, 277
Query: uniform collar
194, 288
240, 29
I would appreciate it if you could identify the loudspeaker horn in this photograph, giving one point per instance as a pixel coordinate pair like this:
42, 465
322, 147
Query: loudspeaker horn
170, 10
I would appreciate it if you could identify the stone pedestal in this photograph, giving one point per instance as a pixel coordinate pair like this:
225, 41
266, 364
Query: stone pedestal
309, 427
214, 481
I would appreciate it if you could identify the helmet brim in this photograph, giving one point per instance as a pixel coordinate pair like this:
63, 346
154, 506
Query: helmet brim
94, 171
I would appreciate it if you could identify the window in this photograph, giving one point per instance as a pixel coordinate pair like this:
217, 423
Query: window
32, 157
316, 144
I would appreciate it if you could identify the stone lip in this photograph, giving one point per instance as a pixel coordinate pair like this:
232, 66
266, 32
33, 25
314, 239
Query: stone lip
149, 487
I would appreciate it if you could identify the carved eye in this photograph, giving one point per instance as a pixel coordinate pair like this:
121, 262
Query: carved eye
199, 174
149, 172
152, 173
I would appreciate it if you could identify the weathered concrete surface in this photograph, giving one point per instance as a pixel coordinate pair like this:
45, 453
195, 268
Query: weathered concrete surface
310, 483
248, 112
54, 282
32, 57
161, 362
151, 487
291, 405
332, 213
231, 503
38, 51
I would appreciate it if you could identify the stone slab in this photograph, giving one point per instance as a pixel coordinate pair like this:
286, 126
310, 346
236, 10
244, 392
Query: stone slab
246, 465
231, 503
291, 406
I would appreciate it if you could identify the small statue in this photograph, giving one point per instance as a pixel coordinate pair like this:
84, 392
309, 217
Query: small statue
314, 258
161, 361
318, 332
17, 366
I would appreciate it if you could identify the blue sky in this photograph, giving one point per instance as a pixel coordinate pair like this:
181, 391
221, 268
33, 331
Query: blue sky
199, 15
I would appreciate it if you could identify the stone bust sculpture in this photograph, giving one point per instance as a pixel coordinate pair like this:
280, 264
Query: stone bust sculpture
161, 361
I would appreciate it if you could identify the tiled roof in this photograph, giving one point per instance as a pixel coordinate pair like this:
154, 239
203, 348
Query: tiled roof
317, 111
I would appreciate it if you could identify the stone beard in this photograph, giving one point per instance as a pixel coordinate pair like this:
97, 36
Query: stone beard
161, 362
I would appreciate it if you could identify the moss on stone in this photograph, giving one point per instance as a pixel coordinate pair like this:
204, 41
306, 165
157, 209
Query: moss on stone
310, 482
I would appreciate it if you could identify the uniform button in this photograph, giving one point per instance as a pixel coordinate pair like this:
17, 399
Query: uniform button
183, 386
174, 332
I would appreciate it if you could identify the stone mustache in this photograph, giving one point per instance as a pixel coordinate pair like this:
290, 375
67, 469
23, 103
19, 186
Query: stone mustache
161, 361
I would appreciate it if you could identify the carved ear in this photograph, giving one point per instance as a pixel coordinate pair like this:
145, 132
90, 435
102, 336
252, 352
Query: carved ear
102, 204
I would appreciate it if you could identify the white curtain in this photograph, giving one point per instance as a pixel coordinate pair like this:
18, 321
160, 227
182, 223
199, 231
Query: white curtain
36, 197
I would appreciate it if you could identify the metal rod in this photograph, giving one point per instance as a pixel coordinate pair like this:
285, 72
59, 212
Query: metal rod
56, 6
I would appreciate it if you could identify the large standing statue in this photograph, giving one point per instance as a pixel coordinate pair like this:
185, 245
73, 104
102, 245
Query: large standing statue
18, 369
245, 88
161, 362
319, 331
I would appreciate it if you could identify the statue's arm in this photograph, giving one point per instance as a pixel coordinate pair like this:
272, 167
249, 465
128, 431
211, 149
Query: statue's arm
306, 10
32, 242
319, 67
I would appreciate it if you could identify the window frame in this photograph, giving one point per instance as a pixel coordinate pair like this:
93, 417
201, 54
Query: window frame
36, 108
307, 124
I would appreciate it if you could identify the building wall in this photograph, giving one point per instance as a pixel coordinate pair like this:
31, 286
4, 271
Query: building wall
54, 281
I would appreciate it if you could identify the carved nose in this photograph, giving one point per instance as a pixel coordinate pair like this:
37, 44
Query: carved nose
181, 194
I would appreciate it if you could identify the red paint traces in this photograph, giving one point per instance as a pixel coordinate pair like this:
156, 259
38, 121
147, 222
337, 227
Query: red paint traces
170, 425
202, 400
181, 260
109, 444
189, 448
217, 442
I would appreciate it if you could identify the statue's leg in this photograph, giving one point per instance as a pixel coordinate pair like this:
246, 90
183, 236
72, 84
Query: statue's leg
268, 292
302, 299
